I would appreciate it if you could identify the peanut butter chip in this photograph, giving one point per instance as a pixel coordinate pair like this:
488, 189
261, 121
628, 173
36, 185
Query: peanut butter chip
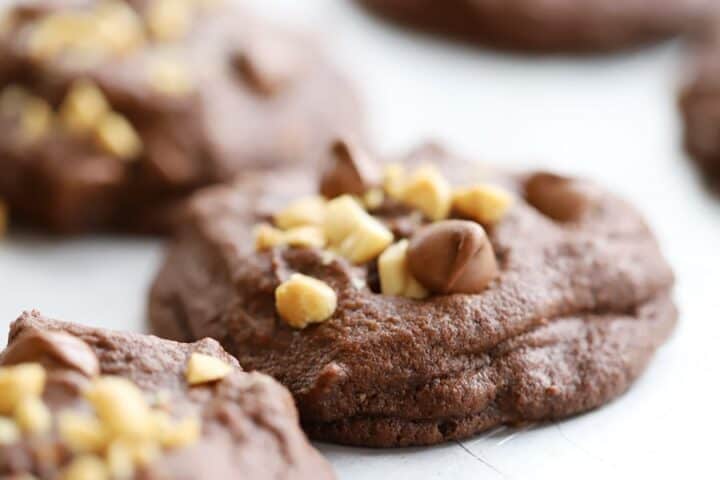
395, 277
560, 198
50, 348
353, 233
302, 300
349, 170
485, 204
453, 256
203, 368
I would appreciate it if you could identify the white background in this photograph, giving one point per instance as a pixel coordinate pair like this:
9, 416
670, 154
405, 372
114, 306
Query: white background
609, 118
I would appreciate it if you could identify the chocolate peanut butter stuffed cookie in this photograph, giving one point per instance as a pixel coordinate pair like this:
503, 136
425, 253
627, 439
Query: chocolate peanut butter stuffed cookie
83, 403
111, 112
423, 301
542, 25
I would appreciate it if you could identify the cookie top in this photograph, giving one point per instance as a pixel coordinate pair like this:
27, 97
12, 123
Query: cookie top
699, 102
118, 109
424, 304
548, 26
89, 403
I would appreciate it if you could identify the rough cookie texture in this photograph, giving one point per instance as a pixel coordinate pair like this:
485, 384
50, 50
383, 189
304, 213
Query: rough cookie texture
548, 26
249, 426
191, 93
573, 317
699, 103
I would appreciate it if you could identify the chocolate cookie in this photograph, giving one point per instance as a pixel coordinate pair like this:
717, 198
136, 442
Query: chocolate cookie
86, 403
548, 26
426, 306
699, 103
111, 112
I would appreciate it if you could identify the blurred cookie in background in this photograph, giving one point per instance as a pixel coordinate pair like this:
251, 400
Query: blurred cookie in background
547, 26
700, 103
111, 112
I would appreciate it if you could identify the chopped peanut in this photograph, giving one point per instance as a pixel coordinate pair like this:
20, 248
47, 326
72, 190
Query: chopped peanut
169, 76
121, 407
82, 433
169, 19
267, 237
352, 232
302, 212
203, 368
486, 204
18, 383
86, 467
9, 431
84, 106
302, 300
428, 191
33, 416
118, 137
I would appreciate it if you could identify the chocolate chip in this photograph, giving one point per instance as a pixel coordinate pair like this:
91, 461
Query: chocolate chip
560, 198
268, 66
51, 349
452, 256
349, 170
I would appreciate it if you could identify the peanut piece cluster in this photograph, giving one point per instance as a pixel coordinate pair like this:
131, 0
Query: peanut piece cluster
84, 111
108, 29
446, 256
429, 192
121, 433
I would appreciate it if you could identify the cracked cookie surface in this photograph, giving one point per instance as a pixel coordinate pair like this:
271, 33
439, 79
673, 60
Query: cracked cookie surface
580, 302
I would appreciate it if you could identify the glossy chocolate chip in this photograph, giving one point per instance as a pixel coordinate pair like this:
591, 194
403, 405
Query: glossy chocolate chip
349, 170
452, 256
560, 198
52, 349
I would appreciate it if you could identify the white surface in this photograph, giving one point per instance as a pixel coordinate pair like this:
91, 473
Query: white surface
612, 119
